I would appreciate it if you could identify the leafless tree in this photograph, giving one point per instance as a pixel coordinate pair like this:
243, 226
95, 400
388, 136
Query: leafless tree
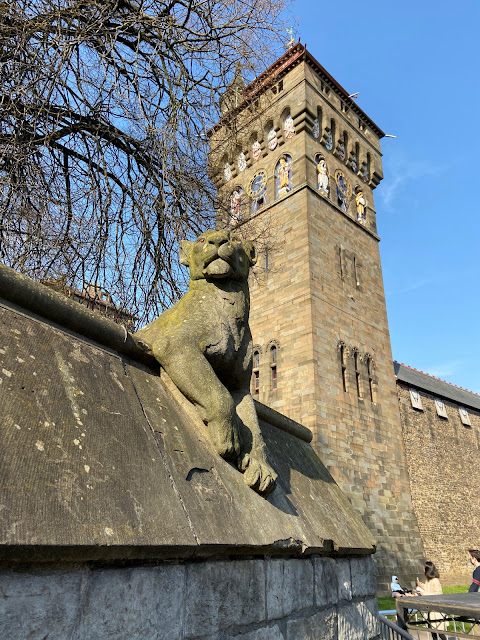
104, 109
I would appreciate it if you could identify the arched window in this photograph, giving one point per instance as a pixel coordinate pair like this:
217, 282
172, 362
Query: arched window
357, 373
342, 147
330, 136
366, 169
354, 156
256, 372
369, 366
273, 367
317, 126
343, 365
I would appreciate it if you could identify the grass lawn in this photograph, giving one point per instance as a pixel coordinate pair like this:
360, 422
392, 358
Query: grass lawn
386, 604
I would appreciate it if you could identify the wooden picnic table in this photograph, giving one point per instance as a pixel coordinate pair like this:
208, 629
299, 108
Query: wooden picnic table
453, 606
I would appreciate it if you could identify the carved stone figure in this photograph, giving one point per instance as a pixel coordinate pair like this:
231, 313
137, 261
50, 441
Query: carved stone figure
236, 205
256, 150
361, 206
322, 175
242, 161
344, 190
272, 139
204, 344
288, 128
354, 163
329, 141
284, 169
227, 172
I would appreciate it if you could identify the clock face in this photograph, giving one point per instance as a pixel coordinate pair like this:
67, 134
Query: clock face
258, 185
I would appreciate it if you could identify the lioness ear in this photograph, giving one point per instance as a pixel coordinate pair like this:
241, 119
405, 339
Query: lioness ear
185, 251
250, 251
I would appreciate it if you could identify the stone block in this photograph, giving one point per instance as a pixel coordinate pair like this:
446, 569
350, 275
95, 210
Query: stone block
351, 625
133, 604
344, 579
224, 594
321, 625
39, 605
326, 589
264, 633
369, 612
363, 576
289, 586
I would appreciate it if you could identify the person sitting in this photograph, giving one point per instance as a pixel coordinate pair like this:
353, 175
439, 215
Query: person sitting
432, 587
397, 591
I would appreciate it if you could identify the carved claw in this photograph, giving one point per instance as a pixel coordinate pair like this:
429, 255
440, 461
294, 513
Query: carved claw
258, 475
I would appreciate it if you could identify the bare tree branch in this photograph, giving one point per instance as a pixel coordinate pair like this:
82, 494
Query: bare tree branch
103, 114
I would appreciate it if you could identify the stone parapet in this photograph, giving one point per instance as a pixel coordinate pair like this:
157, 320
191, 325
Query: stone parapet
247, 599
119, 521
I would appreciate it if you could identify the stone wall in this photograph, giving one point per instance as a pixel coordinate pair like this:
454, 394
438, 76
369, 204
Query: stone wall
442, 456
105, 464
250, 599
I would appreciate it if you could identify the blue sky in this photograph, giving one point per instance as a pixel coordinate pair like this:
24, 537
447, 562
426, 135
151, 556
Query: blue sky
416, 68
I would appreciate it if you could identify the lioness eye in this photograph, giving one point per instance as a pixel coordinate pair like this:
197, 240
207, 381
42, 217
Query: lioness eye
200, 239
235, 239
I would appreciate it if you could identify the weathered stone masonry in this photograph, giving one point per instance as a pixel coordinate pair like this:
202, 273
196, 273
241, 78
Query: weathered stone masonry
442, 456
119, 521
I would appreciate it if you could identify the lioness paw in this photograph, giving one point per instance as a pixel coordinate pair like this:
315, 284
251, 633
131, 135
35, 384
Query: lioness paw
258, 475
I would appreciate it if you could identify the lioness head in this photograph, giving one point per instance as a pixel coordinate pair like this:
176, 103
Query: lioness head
218, 254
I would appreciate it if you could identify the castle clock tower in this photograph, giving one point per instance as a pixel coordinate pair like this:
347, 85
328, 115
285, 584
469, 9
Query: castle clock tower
296, 162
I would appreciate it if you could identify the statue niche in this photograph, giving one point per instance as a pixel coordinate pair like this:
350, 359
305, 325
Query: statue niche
204, 344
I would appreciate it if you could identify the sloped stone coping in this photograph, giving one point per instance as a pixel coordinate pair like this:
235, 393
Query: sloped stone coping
51, 305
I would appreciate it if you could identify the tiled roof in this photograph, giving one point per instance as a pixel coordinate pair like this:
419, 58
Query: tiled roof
436, 386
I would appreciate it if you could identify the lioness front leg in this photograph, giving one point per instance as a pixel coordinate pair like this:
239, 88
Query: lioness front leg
193, 375
252, 462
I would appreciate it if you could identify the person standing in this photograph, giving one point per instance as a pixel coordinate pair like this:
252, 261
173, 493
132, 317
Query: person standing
475, 562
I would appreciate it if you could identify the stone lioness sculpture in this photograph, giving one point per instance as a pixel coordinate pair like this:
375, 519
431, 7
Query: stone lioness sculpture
204, 344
